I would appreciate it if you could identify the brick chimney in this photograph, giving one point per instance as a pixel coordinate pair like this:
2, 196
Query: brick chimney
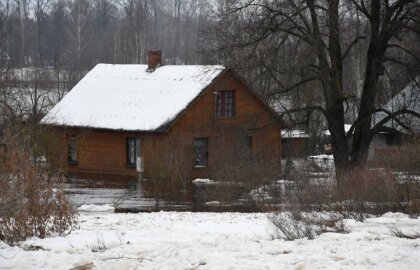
154, 59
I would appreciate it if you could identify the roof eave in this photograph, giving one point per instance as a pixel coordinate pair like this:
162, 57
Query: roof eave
265, 105
157, 130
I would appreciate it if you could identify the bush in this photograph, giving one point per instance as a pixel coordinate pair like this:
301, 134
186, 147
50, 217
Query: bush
301, 189
364, 191
404, 162
409, 193
369, 191
291, 225
31, 200
166, 171
241, 171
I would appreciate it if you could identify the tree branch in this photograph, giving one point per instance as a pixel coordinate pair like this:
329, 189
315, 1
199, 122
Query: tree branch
354, 42
308, 109
393, 116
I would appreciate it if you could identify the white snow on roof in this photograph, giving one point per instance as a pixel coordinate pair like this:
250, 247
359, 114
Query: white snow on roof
293, 133
127, 97
408, 98
346, 129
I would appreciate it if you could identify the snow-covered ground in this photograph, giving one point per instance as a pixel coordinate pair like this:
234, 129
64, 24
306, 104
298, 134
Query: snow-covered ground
185, 240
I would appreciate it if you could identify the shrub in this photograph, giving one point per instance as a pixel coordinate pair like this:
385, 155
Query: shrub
166, 170
31, 200
409, 193
291, 225
404, 162
242, 170
365, 191
369, 191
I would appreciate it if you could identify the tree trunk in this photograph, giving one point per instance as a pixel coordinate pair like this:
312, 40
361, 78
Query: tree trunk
374, 68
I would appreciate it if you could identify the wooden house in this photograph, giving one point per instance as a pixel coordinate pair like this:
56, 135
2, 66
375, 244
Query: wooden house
400, 132
295, 143
128, 119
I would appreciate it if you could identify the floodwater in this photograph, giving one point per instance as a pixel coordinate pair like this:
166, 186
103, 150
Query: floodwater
128, 195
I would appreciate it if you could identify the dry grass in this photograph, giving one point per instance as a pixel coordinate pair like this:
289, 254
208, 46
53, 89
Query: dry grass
365, 191
369, 191
167, 170
404, 161
291, 225
31, 200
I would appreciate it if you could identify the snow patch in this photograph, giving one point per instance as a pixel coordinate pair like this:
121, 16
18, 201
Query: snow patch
213, 203
186, 240
396, 215
96, 208
202, 181
322, 157
294, 133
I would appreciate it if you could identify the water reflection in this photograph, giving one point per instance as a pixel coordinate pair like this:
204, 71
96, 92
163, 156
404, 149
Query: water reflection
129, 195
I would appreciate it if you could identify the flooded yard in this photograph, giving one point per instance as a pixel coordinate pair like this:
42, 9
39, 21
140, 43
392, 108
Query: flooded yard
128, 195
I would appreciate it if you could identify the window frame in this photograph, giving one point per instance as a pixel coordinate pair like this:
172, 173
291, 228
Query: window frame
249, 143
132, 154
225, 104
72, 157
201, 152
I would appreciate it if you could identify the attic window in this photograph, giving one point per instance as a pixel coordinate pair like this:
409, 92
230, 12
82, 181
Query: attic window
225, 103
72, 150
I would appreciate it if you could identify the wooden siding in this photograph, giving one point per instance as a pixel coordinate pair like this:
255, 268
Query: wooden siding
104, 152
251, 119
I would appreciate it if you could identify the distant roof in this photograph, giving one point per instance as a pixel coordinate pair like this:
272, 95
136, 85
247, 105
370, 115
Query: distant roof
408, 98
293, 133
127, 97
346, 130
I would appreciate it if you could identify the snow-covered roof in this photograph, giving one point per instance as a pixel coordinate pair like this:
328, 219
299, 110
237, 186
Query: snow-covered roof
408, 98
346, 129
127, 97
293, 133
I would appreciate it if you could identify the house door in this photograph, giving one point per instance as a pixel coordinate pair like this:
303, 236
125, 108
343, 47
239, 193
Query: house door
134, 153
139, 161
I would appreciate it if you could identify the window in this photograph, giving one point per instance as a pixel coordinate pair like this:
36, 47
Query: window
72, 150
248, 143
225, 104
133, 151
201, 152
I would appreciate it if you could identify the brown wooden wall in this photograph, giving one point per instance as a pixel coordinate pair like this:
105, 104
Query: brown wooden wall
104, 152
251, 119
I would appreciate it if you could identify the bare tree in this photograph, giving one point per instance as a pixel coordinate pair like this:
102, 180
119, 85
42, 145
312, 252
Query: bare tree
79, 30
40, 7
314, 30
136, 15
